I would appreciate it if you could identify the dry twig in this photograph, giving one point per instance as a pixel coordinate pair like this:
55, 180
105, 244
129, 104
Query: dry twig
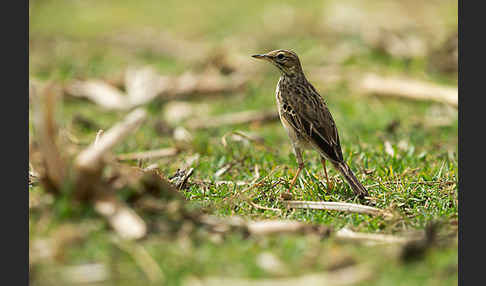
257, 206
407, 88
85, 274
238, 135
280, 226
345, 276
265, 227
91, 158
144, 85
89, 164
46, 133
100, 93
98, 136
121, 218
429, 183
334, 206
371, 238
152, 154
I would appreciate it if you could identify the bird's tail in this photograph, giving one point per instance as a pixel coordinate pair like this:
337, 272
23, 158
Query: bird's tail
353, 182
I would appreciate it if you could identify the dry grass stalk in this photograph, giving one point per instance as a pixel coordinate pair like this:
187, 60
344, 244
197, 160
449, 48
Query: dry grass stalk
143, 85
98, 136
265, 227
89, 163
33, 175
151, 167
85, 274
345, 276
371, 238
334, 206
257, 206
400, 182
91, 158
407, 88
152, 154
238, 183
121, 218
223, 170
232, 119
255, 183
239, 135
46, 134
389, 148
182, 136
100, 93
269, 227
192, 160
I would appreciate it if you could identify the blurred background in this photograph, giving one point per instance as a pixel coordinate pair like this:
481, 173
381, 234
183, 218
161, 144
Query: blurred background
93, 38
387, 69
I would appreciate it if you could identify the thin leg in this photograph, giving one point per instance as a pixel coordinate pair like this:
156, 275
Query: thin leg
329, 185
301, 167
300, 161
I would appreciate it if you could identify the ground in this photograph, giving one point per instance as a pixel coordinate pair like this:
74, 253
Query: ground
416, 180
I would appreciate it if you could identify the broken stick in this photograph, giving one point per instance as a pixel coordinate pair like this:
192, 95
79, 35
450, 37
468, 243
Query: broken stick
407, 88
91, 158
345, 234
334, 206
46, 133
152, 154
90, 161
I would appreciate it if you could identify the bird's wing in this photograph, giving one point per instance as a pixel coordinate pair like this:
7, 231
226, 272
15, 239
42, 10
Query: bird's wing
309, 116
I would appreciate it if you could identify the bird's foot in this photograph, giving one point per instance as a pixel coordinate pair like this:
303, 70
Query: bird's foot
286, 196
330, 185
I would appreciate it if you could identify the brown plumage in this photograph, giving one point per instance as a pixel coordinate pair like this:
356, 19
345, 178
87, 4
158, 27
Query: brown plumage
307, 119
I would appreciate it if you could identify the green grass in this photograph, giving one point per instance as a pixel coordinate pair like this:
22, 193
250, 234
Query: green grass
429, 153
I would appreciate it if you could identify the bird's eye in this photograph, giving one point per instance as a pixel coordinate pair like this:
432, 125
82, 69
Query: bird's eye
280, 56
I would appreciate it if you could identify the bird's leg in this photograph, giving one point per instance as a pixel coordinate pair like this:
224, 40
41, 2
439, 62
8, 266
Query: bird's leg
300, 161
329, 185
292, 183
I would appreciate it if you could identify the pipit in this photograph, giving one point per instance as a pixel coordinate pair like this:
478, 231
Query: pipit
307, 119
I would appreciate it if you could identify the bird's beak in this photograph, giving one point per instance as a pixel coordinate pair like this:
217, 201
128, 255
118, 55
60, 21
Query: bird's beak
261, 56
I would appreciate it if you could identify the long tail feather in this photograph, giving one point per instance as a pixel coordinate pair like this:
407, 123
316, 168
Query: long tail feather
353, 182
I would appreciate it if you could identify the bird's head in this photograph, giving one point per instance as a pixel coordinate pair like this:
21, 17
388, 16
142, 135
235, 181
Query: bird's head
286, 61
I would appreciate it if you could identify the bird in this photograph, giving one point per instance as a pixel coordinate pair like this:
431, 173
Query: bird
307, 119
